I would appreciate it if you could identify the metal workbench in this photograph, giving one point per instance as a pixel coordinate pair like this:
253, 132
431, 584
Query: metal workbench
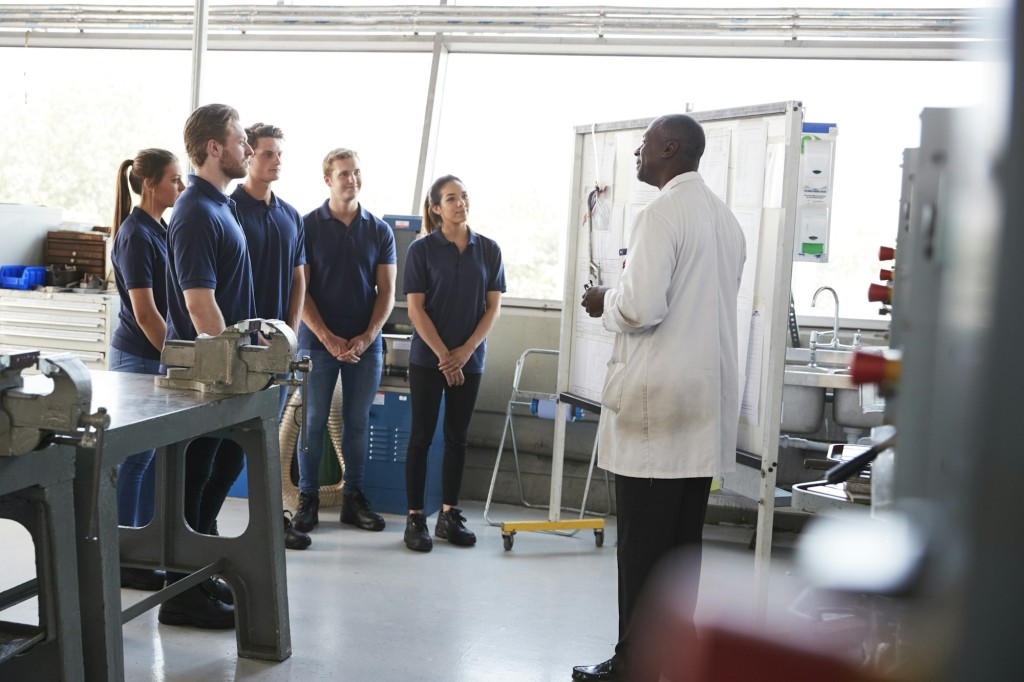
144, 416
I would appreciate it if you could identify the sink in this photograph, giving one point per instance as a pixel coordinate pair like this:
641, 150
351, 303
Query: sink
803, 399
847, 409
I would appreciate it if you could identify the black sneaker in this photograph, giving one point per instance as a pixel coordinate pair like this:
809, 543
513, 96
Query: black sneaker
196, 608
307, 515
294, 539
451, 526
417, 537
142, 579
355, 511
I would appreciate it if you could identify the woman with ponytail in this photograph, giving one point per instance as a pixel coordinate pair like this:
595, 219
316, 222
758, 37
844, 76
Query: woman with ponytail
139, 256
454, 279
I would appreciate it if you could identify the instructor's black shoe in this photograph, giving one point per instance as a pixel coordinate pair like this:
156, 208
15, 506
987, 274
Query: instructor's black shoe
294, 539
417, 537
451, 526
144, 579
355, 511
196, 608
609, 671
308, 514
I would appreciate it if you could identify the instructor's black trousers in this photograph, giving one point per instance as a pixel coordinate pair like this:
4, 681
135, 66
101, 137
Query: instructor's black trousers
655, 517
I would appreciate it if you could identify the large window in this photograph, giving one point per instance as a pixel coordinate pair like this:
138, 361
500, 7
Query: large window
508, 127
71, 116
372, 103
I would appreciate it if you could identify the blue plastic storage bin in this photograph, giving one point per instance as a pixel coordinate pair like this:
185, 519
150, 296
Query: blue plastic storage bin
21, 276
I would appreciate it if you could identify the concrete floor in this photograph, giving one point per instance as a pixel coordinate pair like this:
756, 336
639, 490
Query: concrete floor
364, 608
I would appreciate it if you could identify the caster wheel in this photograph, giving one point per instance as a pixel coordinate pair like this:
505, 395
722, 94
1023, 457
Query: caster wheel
599, 537
507, 540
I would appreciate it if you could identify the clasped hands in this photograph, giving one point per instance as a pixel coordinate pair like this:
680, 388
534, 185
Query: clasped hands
347, 350
451, 364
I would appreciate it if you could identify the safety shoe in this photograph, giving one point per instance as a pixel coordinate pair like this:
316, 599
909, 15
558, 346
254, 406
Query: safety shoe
218, 589
451, 526
294, 539
145, 579
198, 609
417, 537
308, 514
355, 511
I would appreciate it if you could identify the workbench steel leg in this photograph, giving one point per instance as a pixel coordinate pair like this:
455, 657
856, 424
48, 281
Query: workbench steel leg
45, 509
99, 577
256, 564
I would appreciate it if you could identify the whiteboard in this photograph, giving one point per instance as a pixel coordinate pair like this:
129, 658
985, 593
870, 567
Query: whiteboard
751, 161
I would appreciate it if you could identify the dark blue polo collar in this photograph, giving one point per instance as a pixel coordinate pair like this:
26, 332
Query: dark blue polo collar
323, 214
149, 221
439, 236
246, 200
207, 188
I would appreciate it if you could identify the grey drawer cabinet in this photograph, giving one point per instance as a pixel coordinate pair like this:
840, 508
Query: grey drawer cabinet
56, 322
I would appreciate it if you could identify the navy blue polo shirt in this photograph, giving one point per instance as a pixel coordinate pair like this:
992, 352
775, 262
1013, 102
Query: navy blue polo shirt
206, 249
139, 256
456, 286
343, 262
277, 246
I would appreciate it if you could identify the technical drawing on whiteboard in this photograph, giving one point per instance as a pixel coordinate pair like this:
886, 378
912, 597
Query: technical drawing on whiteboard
599, 214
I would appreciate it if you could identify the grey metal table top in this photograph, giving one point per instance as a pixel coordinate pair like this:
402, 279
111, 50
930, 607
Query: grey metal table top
143, 415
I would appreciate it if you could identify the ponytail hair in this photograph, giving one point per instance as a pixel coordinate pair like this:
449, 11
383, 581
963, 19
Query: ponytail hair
432, 221
148, 164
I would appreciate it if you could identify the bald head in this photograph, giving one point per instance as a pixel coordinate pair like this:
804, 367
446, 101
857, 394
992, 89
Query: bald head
672, 145
687, 133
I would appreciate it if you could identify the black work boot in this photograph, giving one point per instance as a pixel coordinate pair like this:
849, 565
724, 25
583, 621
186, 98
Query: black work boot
142, 579
294, 539
451, 526
218, 589
198, 609
355, 511
417, 537
308, 514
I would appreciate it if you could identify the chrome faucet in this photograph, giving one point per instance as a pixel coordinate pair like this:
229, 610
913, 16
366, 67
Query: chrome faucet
834, 343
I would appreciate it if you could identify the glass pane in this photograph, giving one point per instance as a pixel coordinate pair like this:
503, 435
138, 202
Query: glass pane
372, 103
71, 116
508, 130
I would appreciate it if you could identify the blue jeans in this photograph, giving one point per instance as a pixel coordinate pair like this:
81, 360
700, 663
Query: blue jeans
136, 475
359, 384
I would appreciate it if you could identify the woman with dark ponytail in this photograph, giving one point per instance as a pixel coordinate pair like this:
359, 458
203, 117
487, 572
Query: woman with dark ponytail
139, 256
454, 279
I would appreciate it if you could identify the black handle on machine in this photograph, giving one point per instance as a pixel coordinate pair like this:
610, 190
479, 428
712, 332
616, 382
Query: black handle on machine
851, 467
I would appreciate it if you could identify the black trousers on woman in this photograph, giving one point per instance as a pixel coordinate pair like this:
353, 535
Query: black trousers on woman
427, 386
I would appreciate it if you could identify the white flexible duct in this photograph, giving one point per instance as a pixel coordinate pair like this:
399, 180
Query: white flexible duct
288, 436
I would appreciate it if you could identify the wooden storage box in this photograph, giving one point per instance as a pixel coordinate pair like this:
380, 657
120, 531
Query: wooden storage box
85, 250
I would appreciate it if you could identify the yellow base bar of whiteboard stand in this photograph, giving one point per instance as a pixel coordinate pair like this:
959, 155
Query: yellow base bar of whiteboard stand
573, 524
509, 528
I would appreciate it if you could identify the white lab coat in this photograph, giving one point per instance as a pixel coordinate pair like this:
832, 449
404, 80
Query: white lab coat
670, 403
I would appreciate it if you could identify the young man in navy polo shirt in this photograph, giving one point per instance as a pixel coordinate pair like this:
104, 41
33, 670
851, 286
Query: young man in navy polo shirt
277, 250
209, 286
350, 291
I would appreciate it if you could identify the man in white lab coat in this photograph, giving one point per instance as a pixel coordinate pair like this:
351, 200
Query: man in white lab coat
670, 404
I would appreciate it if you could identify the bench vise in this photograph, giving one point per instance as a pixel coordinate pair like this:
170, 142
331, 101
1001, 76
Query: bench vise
29, 420
230, 363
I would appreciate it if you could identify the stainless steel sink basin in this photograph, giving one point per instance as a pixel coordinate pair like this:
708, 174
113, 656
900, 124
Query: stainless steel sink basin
847, 409
803, 400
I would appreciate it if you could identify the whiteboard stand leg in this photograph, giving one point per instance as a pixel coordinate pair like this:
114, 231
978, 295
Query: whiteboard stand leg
557, 461
763, 546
